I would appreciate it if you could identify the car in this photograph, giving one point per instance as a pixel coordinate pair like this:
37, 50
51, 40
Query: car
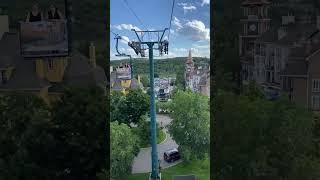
171, 155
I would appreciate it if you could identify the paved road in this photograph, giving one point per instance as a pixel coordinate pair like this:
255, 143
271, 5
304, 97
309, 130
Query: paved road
142, 162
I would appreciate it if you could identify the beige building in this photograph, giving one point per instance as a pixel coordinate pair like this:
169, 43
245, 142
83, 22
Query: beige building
286, 60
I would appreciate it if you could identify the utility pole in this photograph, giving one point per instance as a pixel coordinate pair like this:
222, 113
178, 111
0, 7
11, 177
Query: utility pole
123, 54
162, 47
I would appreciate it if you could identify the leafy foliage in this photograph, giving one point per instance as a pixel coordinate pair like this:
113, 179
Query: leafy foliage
260, 139
80, 130
191, 124
128, 109
144, 131
123, 145
163, 67
24, 137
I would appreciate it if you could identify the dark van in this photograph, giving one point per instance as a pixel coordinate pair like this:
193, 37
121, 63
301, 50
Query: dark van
171, 155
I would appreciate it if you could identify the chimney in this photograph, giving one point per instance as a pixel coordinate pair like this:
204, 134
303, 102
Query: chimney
92, 53
139, 80
4, 25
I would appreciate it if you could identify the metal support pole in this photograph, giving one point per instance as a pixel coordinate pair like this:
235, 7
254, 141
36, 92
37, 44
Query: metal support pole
154, 154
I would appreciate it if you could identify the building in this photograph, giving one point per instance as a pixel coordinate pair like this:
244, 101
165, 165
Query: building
121, 80
286, 60
254, 22
44, 76
197, 78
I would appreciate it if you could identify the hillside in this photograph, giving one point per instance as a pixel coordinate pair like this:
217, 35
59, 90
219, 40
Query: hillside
163, 67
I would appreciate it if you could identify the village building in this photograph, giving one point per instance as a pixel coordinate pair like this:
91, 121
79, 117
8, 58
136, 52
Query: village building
44, 76
121, 79
197, 78
285, 60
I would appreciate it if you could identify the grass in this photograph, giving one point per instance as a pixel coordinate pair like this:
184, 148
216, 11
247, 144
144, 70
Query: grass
160, 138
201, 169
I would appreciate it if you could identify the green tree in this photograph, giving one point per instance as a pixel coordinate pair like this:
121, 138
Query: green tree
145, 80
123, 145
190, 126
81, 133
129, 108
258, 139
144, 131
25, 138
180, 81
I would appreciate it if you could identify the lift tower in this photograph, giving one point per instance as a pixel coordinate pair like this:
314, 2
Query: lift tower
139, 49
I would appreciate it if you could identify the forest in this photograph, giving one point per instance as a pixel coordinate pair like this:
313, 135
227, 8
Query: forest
163, 67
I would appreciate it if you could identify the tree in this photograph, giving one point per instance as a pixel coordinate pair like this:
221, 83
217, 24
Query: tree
128, 109
25, 137
180, 81
258, 139
145, 81
123, 145
81, 133
144, 131
190, 126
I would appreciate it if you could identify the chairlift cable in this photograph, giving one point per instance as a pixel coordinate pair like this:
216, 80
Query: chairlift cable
173, 2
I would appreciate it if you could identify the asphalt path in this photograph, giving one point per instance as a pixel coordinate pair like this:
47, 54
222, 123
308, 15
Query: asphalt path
142, 162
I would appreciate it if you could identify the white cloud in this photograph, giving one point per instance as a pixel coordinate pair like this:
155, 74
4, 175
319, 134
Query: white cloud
187, 7
194, 30
204, 2
124, 39
126, 27
176, 22
184, 52
206, 46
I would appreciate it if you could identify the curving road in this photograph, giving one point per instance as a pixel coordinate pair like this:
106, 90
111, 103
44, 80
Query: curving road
142, 162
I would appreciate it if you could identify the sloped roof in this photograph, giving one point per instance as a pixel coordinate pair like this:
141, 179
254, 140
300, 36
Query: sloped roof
117, 85
78, 73
24, 76
135, 84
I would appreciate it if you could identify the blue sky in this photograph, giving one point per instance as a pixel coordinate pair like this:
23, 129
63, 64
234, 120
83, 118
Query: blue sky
189, 29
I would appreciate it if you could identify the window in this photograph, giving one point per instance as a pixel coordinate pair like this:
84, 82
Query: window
315, 85
50, 64
315, 101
